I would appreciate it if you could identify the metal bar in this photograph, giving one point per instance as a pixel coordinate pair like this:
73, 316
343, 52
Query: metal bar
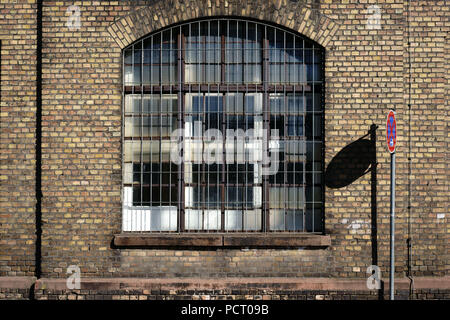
303, 72
160, 124
392, 257
141, 107
124, 213
265, 74
313, 142
133, 224
180, 210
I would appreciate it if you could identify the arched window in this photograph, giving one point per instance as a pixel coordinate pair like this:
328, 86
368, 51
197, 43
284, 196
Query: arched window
217, 77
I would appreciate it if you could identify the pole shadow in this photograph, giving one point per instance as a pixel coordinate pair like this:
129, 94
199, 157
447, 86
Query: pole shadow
352, 162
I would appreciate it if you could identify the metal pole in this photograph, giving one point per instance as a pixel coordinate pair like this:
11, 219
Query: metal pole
391, 275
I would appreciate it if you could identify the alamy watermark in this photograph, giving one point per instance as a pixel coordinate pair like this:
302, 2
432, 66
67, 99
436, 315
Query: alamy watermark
374, 281
374, 17
74, 279
238, 146
74, 20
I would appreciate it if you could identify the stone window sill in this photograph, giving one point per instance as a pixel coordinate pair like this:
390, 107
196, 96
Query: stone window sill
241, 240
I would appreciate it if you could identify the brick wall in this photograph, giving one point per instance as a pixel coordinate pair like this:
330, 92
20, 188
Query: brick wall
367, 73
428, 120
17, 137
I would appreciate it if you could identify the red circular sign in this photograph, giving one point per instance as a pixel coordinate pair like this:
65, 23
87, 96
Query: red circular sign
391, 131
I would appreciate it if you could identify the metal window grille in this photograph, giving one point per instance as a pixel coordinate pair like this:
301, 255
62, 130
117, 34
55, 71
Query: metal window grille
223, 74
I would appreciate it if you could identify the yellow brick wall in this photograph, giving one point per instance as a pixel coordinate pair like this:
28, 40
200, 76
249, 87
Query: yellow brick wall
367, 73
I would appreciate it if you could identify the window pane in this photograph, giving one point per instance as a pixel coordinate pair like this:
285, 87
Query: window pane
277, 218
132, 104
239, 197
240, 173
294, 220
132, 150
234, 102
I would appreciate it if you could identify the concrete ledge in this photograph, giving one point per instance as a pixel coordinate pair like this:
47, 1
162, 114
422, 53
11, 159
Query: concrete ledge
291, 284
17, 282
167, 240
221, 240
276, 240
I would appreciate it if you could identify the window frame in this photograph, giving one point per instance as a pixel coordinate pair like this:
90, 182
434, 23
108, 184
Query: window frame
181, 88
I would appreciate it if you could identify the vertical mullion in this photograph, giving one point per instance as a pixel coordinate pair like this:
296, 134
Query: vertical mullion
160, 124
303, 74
133, 224
125, 212
224, 125
208, 99
322, 121
141, 164
223, 165
244, 58
294, 165
191, 135
218, 187
151, 125
286, 120
180, 202
313, 144
255, 59
169, 120
265, 197
203, 170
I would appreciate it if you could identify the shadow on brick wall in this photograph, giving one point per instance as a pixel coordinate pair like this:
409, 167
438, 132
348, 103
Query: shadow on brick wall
352, 162
348, 165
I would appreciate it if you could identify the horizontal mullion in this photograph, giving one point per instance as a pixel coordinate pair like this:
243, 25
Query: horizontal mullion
149, 185
153, 138
221, 184
147, 114
221, 88
287, 184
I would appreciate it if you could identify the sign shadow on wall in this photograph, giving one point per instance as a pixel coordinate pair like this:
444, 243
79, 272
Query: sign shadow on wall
348, 165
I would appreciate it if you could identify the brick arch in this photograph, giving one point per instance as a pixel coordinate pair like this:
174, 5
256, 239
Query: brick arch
293, 15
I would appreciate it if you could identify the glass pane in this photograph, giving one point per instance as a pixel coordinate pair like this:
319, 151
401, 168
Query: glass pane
132, 150
132, 104
296, 104
253, 102
239, 197
277, 220
233, 73
295, 126
294, 220
163, 218
233, 220
193, 219
252, 220
313, 218
295, 197
276, 197
240, 173
206, 197
234, 102
150, 151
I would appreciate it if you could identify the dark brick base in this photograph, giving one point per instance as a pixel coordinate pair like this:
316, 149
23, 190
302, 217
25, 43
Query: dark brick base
16, 288
221, 289
14, 294
241, 295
